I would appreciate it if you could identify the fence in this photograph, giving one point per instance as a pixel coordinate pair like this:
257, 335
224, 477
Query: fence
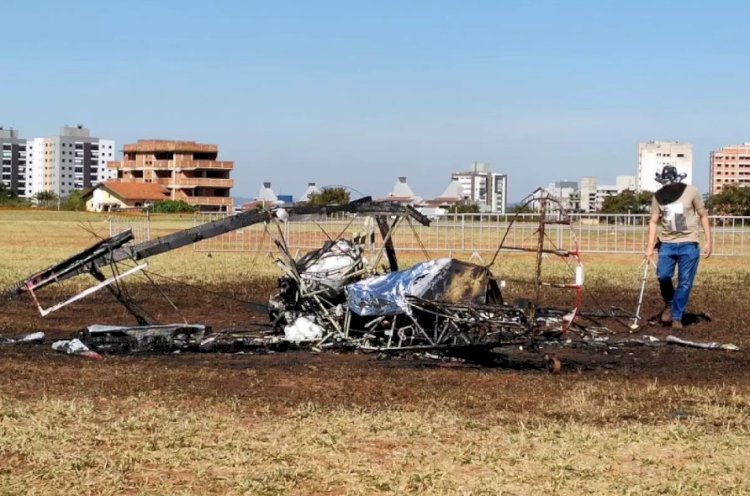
483, 233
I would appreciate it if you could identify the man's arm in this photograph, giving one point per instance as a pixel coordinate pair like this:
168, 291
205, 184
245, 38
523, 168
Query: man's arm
700, 209
652, 226
706, 224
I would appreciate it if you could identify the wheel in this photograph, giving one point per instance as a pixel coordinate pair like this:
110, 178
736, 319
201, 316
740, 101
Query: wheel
554, 366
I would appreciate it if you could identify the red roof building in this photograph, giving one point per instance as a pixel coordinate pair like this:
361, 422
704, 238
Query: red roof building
119, 195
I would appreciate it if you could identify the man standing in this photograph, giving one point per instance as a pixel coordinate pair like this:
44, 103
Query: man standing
679, 208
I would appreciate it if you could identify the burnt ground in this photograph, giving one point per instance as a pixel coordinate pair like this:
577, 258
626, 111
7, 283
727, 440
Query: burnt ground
286, 378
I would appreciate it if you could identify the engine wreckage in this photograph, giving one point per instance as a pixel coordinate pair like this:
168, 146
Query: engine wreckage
336, 296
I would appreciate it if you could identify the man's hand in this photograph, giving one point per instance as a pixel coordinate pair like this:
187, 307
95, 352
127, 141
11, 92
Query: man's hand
649, 253
707, 249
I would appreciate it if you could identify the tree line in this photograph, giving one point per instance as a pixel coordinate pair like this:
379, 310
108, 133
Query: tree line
734, 200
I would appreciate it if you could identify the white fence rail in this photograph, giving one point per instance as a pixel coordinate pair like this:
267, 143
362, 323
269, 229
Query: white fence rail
451, 233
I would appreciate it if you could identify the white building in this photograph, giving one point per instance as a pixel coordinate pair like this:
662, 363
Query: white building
487, 189
654, 155
73, 160
312, 189
625, 182
565, 193
402, 193
587, 194
266, 196
591, 194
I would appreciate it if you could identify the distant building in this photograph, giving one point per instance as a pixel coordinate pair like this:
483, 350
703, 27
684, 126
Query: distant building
118, 195
13, 168
440, 205
730, 166
586, 195
312, 189
402, 193
73, 160
486, 189
654, 155
266, 195
565, 193
265, 198
591, 194
189, 170
624, 183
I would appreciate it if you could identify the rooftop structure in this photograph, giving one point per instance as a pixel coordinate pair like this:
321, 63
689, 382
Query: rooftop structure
266, 195
402, 193
311, 189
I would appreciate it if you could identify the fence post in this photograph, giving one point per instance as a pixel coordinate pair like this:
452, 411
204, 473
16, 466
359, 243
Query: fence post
463, 232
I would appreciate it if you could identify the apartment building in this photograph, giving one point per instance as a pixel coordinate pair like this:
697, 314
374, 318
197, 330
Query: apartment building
13, 162
730, 166
188, 169
488, 189
652, 156
73, 160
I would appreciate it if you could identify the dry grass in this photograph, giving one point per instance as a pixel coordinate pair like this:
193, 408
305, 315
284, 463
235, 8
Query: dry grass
130, 426
152, 444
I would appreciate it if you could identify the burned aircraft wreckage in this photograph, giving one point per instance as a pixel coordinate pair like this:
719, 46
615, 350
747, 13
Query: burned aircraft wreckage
335, 296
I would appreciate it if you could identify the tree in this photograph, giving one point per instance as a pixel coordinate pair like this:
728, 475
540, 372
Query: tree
44, 198
521, 208
734, 200
74, 201
5, 193
334, 195
464, 208
172, 207
627, 202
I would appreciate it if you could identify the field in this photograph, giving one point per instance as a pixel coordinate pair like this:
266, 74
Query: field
635, 420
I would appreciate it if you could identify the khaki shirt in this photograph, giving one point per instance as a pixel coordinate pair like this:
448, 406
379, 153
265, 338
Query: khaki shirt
679, 215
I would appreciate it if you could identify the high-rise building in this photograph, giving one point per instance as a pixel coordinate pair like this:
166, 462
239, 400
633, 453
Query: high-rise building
188, 169
654, 155
485, 188
730, 166
73, 160
13, 163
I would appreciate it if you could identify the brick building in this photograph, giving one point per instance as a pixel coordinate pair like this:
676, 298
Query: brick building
189, 170
730, 166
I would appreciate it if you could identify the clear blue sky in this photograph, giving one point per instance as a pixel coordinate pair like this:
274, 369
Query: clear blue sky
358, 93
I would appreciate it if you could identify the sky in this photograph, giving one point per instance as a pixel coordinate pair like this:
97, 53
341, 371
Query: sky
357, 93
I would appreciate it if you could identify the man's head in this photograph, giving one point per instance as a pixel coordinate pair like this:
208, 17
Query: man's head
669, 175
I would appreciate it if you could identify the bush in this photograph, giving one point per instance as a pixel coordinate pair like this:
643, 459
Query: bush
172, 207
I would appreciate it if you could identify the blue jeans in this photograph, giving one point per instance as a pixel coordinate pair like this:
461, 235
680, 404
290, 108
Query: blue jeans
686, 257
